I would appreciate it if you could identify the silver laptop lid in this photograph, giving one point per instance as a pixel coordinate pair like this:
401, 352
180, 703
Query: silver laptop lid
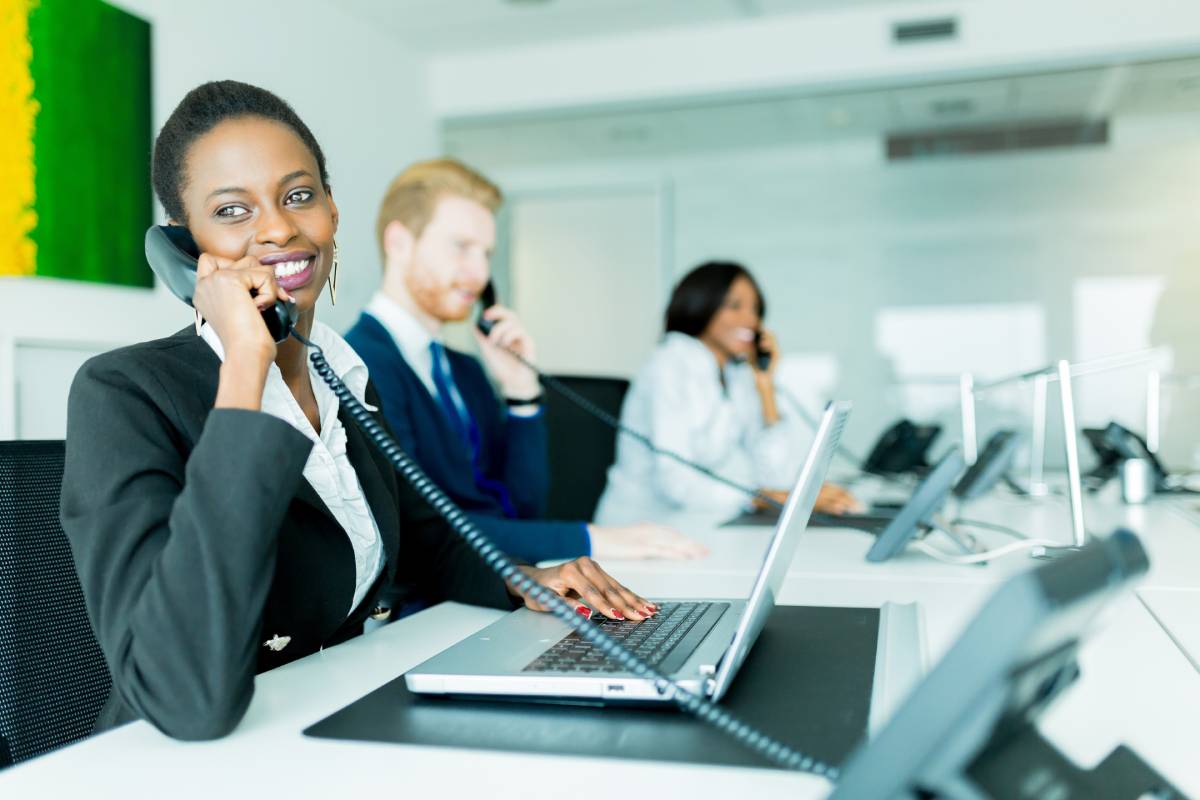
775, 564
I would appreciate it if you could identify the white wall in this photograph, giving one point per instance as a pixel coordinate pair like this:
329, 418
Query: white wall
577, 256
362, 94
993, 264
826, 49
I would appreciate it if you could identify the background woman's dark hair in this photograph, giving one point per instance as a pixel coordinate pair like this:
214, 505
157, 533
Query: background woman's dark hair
201, 110
699, 296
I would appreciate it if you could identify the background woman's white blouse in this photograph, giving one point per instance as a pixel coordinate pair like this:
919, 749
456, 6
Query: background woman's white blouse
677, 400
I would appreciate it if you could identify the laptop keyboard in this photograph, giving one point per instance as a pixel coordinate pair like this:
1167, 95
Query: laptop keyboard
664, 641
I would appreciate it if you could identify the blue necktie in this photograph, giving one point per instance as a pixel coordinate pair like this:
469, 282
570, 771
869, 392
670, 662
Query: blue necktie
462, 422
450, 400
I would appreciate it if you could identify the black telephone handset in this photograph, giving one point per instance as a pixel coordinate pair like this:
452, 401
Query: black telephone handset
487, 298
172, 253
762, 357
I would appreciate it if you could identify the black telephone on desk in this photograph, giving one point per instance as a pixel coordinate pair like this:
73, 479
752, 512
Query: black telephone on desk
172, 253
902, 448
1116, 443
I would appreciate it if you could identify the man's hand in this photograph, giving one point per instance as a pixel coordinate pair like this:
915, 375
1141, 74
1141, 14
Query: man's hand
516, 380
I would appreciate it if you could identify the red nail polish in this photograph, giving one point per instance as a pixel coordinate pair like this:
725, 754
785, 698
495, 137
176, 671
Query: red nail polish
648, 611
583, 611
616, 613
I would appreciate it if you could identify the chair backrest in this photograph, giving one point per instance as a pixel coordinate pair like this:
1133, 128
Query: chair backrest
53, 679
582, 448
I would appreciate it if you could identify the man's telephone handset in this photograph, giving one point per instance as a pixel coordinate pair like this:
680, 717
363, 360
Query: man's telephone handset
172, 253
487, 299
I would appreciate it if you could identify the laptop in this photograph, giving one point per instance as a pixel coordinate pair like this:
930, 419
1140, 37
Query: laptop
700, 644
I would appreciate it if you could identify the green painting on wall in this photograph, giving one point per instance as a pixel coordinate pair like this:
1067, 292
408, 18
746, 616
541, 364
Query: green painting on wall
90, 68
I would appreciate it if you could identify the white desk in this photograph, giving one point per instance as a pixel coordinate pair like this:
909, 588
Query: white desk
1138, 687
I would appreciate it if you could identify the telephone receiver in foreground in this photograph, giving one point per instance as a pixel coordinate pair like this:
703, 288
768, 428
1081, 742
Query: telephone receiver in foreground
172, 254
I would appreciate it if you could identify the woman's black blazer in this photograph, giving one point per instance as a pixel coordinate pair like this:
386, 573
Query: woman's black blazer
197, 538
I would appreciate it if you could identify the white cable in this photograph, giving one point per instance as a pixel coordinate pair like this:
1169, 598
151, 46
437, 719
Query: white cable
988, 526
980, 558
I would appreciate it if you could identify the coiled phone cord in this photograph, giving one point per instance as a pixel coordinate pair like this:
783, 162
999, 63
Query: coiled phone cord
500, 563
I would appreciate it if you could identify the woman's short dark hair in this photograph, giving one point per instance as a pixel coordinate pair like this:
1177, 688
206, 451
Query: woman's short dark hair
699, 295
201, 110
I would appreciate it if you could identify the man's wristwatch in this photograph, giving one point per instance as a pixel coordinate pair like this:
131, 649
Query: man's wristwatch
524, 401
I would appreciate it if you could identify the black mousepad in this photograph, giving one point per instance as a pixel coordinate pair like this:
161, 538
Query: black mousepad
807, 682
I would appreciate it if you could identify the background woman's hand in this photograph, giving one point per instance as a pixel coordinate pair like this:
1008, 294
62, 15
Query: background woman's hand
583, 579
832, 499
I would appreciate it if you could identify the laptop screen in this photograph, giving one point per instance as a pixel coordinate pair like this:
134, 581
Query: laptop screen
775, 564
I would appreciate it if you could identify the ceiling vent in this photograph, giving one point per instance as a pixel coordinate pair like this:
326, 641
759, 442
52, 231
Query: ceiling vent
925, 30
997, 139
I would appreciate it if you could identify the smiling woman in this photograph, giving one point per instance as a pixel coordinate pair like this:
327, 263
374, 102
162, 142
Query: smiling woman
708, 392
224, 516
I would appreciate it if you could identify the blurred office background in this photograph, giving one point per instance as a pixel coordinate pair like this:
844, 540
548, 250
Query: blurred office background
922, 188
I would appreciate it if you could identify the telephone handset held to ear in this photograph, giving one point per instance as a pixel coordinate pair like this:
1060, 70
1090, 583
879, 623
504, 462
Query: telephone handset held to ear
173, 253
762, 357
487, 298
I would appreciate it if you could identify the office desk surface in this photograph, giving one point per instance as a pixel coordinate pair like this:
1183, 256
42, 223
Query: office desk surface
1137, 686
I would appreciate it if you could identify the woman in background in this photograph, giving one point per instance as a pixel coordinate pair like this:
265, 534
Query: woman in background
703, 396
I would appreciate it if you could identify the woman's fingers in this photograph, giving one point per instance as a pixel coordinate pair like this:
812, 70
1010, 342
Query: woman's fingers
584, 579
622, 603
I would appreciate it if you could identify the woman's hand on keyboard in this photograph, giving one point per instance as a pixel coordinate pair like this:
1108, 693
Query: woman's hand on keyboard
583, 579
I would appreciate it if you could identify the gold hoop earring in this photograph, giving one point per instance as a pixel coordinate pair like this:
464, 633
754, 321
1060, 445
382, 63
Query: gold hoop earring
331, 281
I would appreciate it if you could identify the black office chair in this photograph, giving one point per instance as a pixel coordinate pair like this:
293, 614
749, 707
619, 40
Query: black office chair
582, 448
53, 679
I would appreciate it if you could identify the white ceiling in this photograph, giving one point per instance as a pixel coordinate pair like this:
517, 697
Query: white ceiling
1156, 87
443, 26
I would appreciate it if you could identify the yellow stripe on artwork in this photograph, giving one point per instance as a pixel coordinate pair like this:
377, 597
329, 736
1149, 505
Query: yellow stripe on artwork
18, 110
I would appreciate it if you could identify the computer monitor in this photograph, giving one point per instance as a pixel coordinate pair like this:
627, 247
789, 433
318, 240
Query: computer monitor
967, 731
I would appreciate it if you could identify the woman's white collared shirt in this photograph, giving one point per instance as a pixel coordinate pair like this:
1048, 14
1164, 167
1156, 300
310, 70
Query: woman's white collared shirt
328, 468
679, 402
